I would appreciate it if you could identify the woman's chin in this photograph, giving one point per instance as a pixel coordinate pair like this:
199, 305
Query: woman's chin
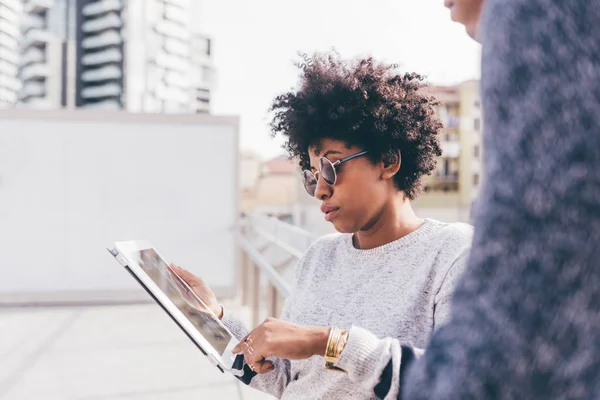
343, 227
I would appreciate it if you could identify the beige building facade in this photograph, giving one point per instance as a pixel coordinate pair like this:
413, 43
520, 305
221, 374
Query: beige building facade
452, 188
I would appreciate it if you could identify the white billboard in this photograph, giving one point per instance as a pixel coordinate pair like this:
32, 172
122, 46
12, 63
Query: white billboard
73, 182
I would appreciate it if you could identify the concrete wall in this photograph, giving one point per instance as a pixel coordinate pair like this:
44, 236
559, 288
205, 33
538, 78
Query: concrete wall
72, 183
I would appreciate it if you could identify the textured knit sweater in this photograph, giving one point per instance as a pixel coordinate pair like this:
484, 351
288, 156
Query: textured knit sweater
393, 294
526, 315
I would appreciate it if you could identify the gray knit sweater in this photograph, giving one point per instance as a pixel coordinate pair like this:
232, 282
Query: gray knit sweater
526, 315
397, 293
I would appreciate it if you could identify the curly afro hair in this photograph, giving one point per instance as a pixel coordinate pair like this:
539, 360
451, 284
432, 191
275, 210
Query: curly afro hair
364, 104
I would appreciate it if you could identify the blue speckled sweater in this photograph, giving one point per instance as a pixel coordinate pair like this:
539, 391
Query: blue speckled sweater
525, 319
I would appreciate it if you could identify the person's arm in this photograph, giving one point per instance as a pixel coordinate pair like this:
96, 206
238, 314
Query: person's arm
524, 308
274, 382
381, 365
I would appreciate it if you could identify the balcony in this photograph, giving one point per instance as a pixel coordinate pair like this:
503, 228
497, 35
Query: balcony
32, 89
32, 55
13, 5
103, 57
449, 177
10, 82
450, 121
36, 37
10, 29
37, 6
179, 3
36, 103
35, 71
109, 21
177, 80
110, 72
176, 14
109, 38
9, 42
9, 55
172, 94
7, 96
169, 61
101, 7
7, 68
32, 21
202, 107
176, 47
109, 105
108, 90
172, 29
450, 149
9, 14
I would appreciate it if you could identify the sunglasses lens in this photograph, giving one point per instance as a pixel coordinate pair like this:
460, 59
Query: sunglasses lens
310, 182
327, 171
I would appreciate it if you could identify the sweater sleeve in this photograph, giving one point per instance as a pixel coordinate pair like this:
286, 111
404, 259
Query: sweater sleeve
274, 382
525, 311
380, 364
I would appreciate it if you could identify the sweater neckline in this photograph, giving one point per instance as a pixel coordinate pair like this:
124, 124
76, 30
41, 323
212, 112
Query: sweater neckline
425, 229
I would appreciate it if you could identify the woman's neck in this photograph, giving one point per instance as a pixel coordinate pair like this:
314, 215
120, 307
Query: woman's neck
397, 219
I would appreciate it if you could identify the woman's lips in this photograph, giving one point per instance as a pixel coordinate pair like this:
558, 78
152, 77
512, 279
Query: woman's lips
329, 211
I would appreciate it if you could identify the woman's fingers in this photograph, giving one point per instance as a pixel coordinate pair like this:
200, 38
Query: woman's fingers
264, 367
186, 275
241, 346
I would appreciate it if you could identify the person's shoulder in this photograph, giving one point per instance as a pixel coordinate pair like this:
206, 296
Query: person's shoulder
453, 247
458, 233
452, 240
326, 243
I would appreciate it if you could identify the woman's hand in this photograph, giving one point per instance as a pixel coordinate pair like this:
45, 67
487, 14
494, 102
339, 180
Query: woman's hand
281, 339
201, 289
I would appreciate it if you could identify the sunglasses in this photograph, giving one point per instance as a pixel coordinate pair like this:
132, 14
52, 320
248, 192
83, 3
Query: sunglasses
327, 171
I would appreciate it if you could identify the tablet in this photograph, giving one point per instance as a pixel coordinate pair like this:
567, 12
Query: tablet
178, 300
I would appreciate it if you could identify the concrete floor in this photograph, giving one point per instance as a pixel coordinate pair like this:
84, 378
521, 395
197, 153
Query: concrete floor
101, 353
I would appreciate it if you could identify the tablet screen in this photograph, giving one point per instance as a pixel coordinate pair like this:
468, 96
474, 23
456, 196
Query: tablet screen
178, 292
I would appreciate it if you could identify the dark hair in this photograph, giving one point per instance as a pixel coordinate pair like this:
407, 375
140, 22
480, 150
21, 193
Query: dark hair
364, 104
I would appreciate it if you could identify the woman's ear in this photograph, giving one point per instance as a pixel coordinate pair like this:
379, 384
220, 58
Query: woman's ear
392, 166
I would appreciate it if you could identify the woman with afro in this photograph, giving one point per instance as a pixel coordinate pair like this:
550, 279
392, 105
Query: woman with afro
366, 299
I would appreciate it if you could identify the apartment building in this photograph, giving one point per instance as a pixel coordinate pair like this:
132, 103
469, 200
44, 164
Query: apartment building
452, 188
46, 65
10, 12
136, 55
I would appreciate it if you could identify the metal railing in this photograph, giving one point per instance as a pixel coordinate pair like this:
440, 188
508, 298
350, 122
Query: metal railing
270, 250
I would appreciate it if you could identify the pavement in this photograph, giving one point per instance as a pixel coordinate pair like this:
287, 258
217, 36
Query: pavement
125, 352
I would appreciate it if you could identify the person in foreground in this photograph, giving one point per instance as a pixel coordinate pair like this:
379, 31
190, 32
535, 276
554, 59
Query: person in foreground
525, 321
364, 136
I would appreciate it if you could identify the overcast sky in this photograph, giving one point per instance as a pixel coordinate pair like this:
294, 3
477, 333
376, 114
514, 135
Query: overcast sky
256, 42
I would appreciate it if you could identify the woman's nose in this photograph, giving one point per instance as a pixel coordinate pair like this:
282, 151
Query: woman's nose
323, 190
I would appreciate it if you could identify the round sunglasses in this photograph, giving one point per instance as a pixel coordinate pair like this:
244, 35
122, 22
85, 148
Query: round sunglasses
327, 171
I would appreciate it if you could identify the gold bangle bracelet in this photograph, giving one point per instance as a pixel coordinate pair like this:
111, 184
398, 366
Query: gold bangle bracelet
335, 345
332, 344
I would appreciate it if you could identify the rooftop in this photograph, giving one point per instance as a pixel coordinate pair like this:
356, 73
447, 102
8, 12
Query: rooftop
103, 353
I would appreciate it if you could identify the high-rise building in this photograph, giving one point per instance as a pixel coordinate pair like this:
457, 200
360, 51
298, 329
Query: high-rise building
46, 54
136, 55
451, 189
10, 11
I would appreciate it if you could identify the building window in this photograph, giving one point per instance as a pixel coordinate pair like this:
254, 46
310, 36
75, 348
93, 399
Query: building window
477, 124
475, 179
476, 151
477, 104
